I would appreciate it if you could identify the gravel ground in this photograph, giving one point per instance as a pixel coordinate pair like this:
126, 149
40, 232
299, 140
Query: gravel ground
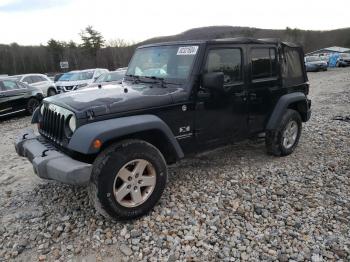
233, 203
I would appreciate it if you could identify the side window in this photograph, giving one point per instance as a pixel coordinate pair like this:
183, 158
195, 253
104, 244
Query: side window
9, 85
28, 79
226, 60
97, 73
21, 85
37, 79
264, 62
41, 78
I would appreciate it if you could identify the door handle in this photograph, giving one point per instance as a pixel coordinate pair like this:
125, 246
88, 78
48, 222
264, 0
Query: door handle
242, 95
252, 96
203, 95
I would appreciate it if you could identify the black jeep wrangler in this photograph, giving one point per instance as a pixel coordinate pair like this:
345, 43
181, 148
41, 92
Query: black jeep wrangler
176, 99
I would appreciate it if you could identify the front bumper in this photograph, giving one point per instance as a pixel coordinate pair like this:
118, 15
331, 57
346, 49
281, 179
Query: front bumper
48, 163
344, 63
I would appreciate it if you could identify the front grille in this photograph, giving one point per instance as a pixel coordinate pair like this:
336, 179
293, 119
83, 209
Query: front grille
69, 87
52, 125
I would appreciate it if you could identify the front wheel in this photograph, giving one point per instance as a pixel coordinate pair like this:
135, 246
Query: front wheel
285, 138
128, 179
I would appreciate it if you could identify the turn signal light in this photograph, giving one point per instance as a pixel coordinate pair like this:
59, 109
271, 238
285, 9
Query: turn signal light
97, 144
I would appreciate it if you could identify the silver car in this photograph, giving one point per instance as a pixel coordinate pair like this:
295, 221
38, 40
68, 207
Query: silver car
38, 80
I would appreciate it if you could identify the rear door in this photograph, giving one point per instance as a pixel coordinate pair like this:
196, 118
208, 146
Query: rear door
264, 87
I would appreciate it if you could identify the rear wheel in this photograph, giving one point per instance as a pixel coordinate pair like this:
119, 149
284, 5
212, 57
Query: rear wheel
32, 104
285, 138
128, 178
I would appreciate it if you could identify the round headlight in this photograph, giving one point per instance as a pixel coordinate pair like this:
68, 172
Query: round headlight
42, 109
72, 123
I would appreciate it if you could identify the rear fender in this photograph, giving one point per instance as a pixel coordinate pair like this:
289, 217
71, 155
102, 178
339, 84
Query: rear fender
297, 101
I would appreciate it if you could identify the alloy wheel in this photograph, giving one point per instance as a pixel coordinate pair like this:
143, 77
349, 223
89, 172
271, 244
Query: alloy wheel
290, 134
134, 183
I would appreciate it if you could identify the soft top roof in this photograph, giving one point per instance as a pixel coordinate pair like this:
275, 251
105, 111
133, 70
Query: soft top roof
235, 40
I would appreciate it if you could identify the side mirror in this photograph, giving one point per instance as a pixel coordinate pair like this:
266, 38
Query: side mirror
213, 81
26, 83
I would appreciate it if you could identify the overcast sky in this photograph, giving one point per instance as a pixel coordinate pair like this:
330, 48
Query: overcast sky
36, 21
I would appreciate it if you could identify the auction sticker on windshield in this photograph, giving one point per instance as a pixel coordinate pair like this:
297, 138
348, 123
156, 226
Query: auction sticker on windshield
187, 50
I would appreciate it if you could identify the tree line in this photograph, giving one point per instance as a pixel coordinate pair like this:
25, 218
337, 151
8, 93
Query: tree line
93, 52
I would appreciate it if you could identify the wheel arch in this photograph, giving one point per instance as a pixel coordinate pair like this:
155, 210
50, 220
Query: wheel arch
48, 89
149, 128
297, 101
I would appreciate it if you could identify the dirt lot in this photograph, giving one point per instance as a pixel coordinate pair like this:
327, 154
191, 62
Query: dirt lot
234, 203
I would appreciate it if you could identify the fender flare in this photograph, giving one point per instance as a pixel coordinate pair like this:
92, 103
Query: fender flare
106, 130
281, 107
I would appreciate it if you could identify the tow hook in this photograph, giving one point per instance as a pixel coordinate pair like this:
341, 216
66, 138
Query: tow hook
43, 154
24, 136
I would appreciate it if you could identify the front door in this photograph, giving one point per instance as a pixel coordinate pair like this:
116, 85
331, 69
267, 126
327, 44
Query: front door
4, 105
13, 96
221, 115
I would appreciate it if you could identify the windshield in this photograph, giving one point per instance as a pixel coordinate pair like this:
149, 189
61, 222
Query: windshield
168, 62
76, 76
109, 77
312, 59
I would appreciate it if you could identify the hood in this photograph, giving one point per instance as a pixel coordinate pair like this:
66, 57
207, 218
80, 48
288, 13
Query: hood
104, 83
114, 98
73, 83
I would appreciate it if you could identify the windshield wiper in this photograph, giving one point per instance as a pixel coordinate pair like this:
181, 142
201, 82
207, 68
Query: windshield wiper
134, 77
156, 80
161, 81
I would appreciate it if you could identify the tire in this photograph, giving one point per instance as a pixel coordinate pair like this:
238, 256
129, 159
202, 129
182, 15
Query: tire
32, 104
275, 141
119, 161
51, 92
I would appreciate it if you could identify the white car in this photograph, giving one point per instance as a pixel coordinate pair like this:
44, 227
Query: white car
37, 80
74, 80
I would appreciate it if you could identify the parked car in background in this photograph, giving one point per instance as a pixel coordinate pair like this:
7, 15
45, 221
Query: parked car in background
57, 77
115, 77
121, 69
324, 58
315, 64
343, 60
74, 80
18, 97
38, 80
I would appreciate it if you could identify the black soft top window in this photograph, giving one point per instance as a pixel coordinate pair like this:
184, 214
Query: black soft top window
293, 66
264, 62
